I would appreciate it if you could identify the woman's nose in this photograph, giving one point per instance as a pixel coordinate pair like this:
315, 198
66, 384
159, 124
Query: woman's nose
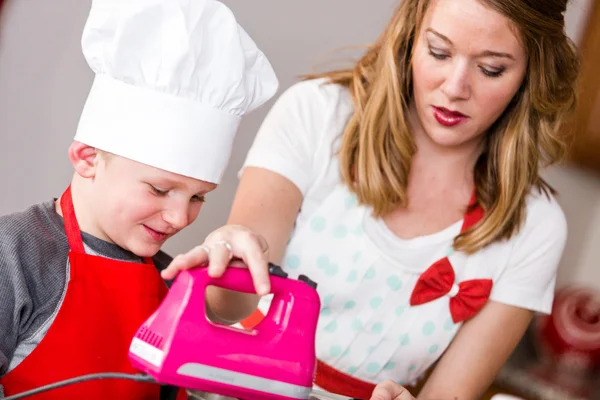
457, 84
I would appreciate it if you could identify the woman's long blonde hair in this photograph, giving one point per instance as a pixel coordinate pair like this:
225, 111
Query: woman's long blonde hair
377, 147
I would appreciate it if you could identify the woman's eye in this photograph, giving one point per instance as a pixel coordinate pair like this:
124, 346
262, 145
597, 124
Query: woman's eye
492, 74
198, 198
437, 55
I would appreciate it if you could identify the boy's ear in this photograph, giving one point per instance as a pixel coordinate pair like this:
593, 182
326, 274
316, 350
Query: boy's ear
84, 159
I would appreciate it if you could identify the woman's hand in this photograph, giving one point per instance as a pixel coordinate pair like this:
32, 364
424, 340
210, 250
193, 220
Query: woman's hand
229, 245
389, 390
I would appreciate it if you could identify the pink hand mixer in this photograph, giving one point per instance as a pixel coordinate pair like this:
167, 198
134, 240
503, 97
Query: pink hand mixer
180, 346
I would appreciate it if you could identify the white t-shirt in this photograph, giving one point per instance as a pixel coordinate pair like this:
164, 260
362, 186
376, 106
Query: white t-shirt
299, 139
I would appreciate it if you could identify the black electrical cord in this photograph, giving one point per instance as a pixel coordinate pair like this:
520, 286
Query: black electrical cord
106, 375
79, 379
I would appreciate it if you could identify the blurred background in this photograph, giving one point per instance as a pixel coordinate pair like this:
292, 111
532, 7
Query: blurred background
44, 81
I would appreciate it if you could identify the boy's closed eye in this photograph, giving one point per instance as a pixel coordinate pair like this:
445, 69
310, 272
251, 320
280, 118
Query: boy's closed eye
163, 192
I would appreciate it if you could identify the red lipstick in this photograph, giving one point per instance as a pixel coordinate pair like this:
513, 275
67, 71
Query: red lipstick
447, 117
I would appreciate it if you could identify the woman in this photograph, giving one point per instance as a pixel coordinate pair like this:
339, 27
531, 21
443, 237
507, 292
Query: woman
409, 188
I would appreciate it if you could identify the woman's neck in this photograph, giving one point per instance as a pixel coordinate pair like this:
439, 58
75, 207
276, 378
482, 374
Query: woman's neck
441, 168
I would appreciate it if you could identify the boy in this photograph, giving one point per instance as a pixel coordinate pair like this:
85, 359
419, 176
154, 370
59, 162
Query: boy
79, 275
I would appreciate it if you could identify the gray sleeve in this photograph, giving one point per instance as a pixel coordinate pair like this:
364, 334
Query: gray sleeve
33, 260
14, 296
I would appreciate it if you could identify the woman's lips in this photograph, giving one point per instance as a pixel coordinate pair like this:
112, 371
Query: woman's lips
447, 117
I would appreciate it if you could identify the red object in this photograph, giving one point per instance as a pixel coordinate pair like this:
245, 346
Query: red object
438, 281
448, 118
467, 297
335, 381
570, 336
105, 303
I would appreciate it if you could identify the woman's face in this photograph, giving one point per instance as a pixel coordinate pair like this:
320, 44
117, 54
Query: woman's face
468, 64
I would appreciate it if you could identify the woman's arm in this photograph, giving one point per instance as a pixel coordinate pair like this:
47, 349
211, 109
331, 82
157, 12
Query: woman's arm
266, 203
477, 353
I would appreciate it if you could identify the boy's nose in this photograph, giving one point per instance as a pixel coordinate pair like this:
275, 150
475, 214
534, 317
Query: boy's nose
177, 217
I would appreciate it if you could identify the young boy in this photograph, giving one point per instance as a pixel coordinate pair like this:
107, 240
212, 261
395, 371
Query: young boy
80, 274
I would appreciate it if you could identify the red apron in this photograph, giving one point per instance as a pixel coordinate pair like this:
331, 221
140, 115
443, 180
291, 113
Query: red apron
105, 303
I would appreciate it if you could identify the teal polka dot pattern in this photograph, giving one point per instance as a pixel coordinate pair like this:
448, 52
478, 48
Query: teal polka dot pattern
373, 367
450, 252
377, 328
370, 273
352, 276
346, 352
350, 305
358, 231
449, 325
340, 232
331, 327
351, 201
394, 283
428, 328
404, 340
325, 312
331, 270
356, 324
389, 366
371, 349
433, 349
412, 368
335, 351
292, 261
352, 370
400, 310
356, 256
376, 302
327, 299
328, 268
318, 224
322, 262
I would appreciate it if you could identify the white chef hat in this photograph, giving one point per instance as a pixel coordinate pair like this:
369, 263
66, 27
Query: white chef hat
173, 79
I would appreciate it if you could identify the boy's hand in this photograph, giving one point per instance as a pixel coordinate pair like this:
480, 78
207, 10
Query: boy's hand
389, 390
220, 248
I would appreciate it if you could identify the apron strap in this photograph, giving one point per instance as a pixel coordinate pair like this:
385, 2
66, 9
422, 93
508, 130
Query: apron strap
71, 225
72, 229
335, 381
473, 215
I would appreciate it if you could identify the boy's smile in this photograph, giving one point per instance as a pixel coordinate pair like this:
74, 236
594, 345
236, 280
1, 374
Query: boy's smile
156, 235
136, 206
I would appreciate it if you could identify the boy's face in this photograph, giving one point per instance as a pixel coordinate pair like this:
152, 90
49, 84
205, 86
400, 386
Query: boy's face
139, 207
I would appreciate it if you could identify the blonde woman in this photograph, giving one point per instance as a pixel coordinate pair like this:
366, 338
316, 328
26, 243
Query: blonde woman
409, 188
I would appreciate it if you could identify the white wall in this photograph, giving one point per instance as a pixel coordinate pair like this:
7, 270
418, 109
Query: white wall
44, 81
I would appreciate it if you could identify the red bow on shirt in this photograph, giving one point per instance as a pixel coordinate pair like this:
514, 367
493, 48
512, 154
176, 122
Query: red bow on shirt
467, 298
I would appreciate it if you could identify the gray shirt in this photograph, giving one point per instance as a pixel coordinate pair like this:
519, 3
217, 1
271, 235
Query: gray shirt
33, 275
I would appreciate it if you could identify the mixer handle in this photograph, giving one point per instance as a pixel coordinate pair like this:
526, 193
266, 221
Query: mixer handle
235, 278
